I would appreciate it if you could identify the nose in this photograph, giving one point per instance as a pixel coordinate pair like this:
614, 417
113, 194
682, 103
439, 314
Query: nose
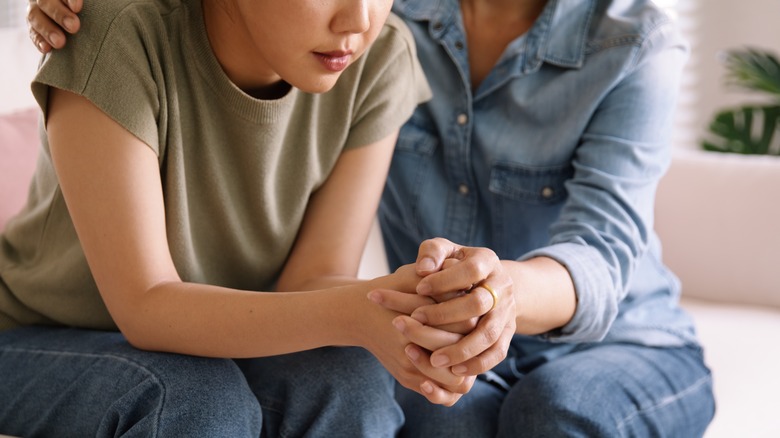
352, 17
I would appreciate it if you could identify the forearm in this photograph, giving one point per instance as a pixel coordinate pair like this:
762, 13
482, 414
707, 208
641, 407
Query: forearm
544, 294
205, 320
319, 283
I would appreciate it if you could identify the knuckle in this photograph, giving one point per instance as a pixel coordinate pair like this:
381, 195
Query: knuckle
472, 268
475, 305
484, 363
501, 354
467, 351
482, 303
58, 16
487, 254
427, 244
496, 355
432, 314
34, 20
490, 334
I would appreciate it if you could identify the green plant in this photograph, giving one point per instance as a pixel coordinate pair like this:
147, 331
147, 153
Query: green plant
750, 129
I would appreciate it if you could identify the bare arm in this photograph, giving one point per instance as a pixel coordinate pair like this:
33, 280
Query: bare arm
111, 184
110, 177
338, 221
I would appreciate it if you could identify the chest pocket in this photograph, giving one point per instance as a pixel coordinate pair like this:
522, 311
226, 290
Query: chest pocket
535, 185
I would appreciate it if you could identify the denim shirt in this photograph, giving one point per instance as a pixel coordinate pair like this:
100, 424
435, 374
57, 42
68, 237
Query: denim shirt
557, 153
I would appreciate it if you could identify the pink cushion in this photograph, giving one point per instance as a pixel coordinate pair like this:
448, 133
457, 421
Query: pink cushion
18, 152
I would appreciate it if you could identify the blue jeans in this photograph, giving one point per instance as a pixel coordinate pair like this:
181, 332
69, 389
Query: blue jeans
71, 382
590, 390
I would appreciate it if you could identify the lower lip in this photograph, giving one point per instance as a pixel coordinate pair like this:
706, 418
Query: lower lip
333, 63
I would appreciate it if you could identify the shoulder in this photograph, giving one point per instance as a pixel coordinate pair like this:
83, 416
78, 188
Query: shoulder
395, 37
103, 15
382, 88
391, 58
114, 60
630, 22
114, 26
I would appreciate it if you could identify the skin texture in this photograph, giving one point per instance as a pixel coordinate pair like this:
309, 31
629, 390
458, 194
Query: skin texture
448, 333
245, 36
108, 176
534, 296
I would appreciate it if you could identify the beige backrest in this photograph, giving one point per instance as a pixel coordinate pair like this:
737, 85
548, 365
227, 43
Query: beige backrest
718, 216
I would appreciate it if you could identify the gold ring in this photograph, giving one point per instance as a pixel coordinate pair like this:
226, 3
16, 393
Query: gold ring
492, 293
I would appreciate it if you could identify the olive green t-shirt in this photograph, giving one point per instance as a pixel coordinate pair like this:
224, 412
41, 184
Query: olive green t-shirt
236, 171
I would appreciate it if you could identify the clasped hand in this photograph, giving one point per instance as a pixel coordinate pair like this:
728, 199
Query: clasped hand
456, 329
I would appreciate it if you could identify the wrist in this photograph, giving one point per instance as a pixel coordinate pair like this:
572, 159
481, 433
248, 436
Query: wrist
355, 318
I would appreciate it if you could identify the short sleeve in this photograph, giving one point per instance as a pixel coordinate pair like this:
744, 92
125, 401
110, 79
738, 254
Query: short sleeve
392, 84
112, 62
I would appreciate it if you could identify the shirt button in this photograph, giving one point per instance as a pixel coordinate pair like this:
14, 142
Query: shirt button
437, 26
462, 119
548, 192
463, 189
459, 45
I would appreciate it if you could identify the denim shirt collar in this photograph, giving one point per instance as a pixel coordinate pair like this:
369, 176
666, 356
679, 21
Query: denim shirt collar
558, 36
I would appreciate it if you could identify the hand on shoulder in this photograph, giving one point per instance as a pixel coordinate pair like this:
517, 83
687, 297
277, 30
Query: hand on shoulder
51, 20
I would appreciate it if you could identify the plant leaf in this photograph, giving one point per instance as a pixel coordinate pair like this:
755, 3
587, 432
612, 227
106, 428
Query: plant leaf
753, 69
746, 130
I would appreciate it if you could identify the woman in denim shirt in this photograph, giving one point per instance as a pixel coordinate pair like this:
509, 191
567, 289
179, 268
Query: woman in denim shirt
544, 142
533, 172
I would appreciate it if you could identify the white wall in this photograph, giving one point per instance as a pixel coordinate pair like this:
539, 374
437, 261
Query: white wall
18, 62
18, 57
714, 26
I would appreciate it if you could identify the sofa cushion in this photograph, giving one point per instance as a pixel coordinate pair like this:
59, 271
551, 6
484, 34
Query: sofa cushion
718, 217
738, 348
18, 152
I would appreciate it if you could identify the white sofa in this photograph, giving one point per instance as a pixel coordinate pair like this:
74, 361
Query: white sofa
718, 216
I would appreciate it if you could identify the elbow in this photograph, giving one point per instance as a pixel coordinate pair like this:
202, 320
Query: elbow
133, 321
135, 333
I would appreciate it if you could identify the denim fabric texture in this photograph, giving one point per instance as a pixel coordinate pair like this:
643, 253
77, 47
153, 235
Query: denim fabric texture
60, 382
596, 390
557, 153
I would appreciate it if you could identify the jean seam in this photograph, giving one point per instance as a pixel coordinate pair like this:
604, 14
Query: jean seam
666, 401
104, 356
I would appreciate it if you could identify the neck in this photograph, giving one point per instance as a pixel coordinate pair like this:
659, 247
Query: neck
233, 47
505, 11
490, 26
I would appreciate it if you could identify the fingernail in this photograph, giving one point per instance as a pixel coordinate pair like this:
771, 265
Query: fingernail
69, 23
375, 297
440, 360
399, 324
426, 264
41, 46
423, 288
412, 353
427, 387
420, 317
55, 39
459, 369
